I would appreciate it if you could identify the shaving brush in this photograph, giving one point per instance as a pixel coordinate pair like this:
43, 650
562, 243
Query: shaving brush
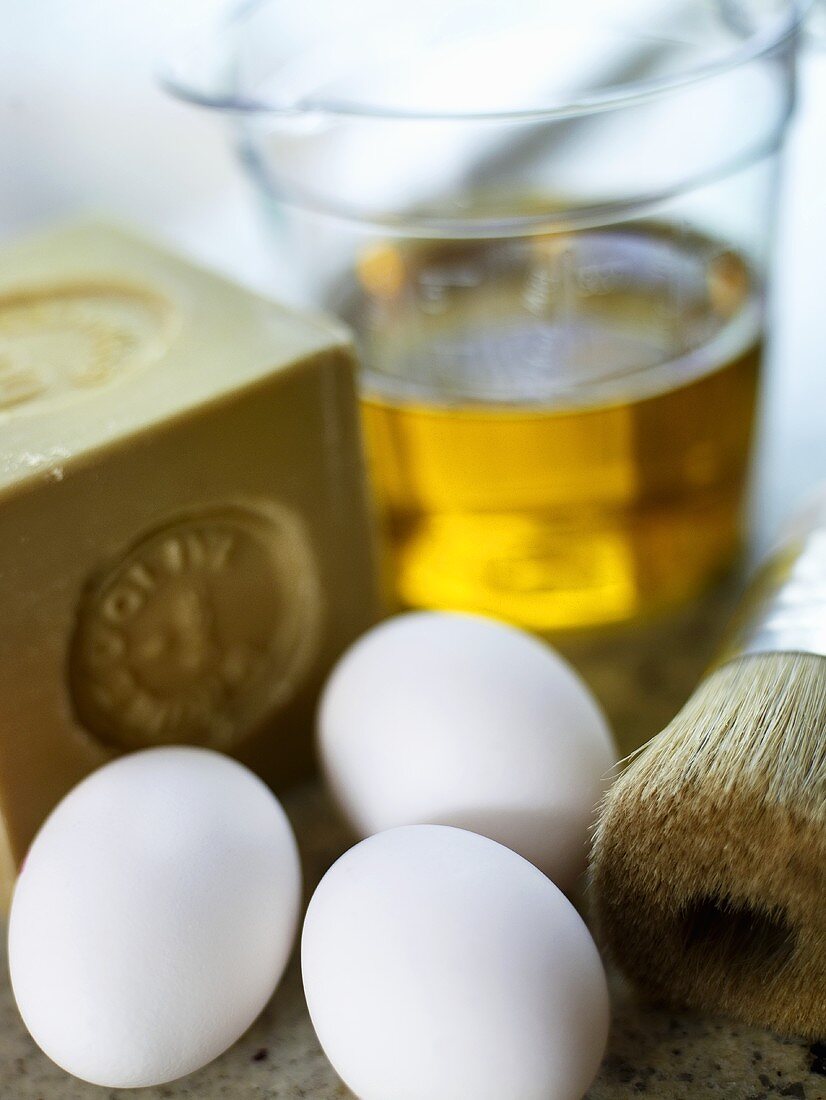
709, 859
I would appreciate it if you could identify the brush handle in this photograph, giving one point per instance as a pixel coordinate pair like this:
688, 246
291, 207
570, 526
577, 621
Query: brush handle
784, 610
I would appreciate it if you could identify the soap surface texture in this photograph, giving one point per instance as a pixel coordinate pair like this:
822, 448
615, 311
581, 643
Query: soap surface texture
440, 964
184, 541
154, 916
462, 720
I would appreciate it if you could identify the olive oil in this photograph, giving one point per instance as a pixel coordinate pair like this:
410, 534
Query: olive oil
559, 428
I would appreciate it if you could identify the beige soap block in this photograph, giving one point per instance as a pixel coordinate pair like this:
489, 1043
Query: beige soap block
184, 536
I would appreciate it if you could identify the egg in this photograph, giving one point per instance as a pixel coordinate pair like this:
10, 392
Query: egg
460, 720
154, 916
440, 964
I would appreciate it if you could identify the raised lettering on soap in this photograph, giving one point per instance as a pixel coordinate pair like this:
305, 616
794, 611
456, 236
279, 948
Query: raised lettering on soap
196, 632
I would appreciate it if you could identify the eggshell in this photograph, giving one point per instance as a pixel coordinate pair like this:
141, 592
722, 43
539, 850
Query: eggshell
460, 720
438, 964
154, 916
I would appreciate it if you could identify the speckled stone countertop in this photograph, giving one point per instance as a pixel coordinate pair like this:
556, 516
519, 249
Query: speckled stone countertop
641, 678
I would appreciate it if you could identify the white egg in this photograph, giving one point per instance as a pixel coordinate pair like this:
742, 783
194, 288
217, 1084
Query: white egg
438, 964
459, 720
154, 916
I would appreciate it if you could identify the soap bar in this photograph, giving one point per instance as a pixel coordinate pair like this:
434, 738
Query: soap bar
185, 545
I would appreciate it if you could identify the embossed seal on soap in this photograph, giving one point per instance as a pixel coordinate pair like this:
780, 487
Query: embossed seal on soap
199, 632
63, 341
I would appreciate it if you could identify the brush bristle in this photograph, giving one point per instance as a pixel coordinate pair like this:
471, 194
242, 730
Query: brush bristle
709, 857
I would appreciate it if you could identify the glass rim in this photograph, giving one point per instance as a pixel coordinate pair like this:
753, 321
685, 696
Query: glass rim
758, 44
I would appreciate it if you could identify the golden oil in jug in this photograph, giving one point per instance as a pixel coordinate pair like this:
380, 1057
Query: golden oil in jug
559, 427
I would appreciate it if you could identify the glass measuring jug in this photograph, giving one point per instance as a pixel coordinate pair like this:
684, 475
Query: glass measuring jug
549, 226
